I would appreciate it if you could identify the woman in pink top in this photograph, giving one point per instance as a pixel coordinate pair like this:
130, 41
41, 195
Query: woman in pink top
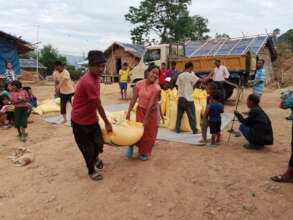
19, 98
147, 93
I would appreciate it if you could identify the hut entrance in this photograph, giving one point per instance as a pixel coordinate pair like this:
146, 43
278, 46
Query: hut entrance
118, 67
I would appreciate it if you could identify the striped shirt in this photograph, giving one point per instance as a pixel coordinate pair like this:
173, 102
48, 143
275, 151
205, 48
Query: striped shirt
9, 75
259, 82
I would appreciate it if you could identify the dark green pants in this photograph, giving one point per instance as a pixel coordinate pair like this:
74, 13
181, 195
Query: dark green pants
20, 117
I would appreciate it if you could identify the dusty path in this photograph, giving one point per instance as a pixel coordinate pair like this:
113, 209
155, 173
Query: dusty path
179, 182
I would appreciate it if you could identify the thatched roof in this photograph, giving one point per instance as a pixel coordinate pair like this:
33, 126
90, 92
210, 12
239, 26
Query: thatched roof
135, 50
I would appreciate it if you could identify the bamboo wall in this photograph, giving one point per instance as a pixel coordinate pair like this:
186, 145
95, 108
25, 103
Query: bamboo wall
115, 54
266, 56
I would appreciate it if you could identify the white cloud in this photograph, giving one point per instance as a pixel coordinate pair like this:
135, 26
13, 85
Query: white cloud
75, 26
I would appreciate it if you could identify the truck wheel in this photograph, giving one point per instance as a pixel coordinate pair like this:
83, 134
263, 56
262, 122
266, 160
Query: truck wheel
228, 91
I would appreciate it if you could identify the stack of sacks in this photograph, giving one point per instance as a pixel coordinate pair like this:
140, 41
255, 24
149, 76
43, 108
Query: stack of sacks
200, 103
125, 133
48, 106
169, 100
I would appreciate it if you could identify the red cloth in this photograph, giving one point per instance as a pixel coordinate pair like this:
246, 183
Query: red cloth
163, 76
84, 107
22, 94
145, 92
146, 143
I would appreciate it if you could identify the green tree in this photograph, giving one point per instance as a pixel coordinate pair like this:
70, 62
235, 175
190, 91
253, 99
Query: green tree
222, 36
168, 19
49, 55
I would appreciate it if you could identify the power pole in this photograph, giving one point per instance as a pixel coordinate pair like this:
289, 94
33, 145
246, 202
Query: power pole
37, 47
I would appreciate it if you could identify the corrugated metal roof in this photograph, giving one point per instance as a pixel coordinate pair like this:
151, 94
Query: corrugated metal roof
30, 63
221, 47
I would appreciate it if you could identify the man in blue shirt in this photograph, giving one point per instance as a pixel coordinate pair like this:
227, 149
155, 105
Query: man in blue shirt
260, 79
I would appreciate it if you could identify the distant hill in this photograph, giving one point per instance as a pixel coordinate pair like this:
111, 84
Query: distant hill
73, 60
286, 37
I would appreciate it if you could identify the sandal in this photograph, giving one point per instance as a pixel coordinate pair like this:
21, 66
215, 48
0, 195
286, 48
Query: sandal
282, 179
99, 165
143, 158
96, 176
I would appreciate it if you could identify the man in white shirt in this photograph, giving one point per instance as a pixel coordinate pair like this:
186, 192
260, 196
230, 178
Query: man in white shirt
219, 75
186, 82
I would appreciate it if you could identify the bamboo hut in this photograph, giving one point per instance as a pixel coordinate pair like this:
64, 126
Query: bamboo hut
119, 53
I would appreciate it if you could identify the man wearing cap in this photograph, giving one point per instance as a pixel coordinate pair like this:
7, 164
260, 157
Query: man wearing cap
84, 118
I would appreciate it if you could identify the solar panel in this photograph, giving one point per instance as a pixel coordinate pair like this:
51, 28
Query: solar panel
257, 44
241, 47
207, 49
225, 47
192, 46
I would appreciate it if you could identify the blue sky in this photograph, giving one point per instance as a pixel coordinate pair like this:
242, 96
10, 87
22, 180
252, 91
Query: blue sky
76, 26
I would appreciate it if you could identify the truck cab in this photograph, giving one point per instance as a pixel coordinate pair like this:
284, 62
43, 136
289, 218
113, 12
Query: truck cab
156, 54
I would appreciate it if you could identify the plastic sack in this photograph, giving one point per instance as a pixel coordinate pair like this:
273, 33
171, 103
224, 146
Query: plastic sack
125, 133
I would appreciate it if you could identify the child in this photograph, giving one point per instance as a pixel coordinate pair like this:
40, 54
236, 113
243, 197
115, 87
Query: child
32, 100
213, 112
19, 98
6, 116
211, 90
123, 79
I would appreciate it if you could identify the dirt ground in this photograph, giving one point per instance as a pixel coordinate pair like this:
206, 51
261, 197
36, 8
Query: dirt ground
179, 182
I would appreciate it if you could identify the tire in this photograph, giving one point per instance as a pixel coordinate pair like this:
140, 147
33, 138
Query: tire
228, 91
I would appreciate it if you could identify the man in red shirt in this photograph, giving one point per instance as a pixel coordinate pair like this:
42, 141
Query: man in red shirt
84, 118
163, 75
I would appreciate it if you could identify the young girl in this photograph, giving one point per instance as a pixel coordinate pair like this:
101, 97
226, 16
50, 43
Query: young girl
19, 98
211, 90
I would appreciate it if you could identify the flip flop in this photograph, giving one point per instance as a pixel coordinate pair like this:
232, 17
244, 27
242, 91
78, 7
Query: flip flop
282, 179
96, 176
99, 165
143, 158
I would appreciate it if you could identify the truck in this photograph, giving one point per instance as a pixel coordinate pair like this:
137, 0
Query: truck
239, 66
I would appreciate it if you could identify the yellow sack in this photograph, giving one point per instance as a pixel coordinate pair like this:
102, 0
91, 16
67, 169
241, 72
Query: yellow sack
38, 111
48, 106
125, 133
173, 117
163, 101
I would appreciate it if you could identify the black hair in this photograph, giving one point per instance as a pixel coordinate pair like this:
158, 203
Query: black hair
213, 85
218, 60
58, 63
163, 64
151, 67
262, 60
27, 88
254, 98
173, 63
17, 84
2, 98
6, 85
216, 96
188, 65
125, 64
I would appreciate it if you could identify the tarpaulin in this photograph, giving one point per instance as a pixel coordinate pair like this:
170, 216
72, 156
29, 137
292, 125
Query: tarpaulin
8, 53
